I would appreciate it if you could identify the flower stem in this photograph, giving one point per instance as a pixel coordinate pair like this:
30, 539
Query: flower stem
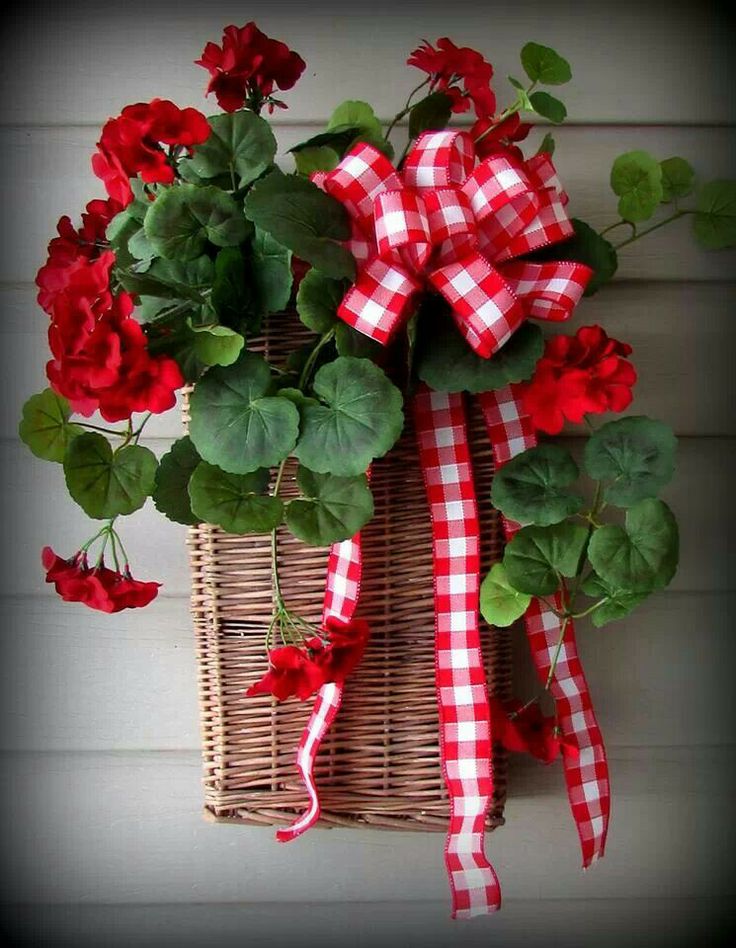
618, 224
407, 107
507, 113
650, 230
312, 359
556, 656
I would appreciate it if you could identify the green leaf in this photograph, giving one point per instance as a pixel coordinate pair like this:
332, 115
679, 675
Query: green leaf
317, 158
351, 122
171, 279
271, 272
588, 247
236, 423
234, 502
547, 145
548, 107
642, 556
241, 144
618, 602
532, 487
306, 220
537, 556
636, 178
544, 65
501, 604
714, 223
636, 454
677, 178
522, 96
317, 300
445, 361
217, 345
232, 294
104, 484
359, 114
170, 495
432, 112
330, 509
183, 219
45, 426
359, 418
350, 342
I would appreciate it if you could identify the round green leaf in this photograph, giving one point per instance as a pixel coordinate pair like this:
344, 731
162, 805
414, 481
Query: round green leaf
445, 361
617, 603
501, 604
357, 113
182, 220
317, 300
537, 556
104, 484
270, 272
677, 178
217, 345
636, 178
316, 158
351, 342
236, 423
45, 426
642, 556
359, 418
544, 65
548, 107
636, 454
532, 487
432, 112
300, 216
330, 509
170, 495
714, 223
234, 502
240, 144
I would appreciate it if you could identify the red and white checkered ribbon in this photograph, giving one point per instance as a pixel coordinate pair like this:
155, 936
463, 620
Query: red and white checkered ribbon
465, 725
344, 569
586, 773
446, 222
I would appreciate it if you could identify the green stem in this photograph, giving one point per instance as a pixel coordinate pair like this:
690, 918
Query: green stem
618, 224
587, 612
110, 431
407, 108
556, 656
309, 364
650, 230
507, 113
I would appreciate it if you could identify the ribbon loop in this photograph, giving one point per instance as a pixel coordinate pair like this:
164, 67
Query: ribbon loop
439, 160
358, 180
548, 291
402, 224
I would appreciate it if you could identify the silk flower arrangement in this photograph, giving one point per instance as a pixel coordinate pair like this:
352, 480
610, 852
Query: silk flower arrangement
423, 277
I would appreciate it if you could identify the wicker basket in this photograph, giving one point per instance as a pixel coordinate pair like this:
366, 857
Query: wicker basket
379, 766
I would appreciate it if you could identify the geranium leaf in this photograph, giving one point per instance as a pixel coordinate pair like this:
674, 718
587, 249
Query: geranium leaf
677, 178
432, 112
547, 145
241, 144
537, 556
217, 345
236, 423
104, 484
532, 487
232, 296
337, 138
636, 177
501, 604
357, 113
170, 495
45, 426
544, 65
714, 223
350, 342
445, 361
317, 158
359, 418
171, 279
330, 509
183, 219
618, 602
548, 107
642, 556
271, 272
636, 454
317, 300
234, 502
306, 220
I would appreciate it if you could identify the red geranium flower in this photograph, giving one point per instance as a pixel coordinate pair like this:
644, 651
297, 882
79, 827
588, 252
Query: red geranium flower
131, 145
98, 587
343, 649
292, 671
588, 373
501, 139
458, 71
247, 66
526, 730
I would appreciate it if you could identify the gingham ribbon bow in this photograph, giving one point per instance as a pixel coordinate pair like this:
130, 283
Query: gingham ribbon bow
457, 226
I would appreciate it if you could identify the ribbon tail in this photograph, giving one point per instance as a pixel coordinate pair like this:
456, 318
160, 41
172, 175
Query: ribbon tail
344, 570
465, 729
510, 432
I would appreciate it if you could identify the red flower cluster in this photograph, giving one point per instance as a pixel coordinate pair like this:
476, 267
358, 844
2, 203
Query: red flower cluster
587, 373
99, 587
131, 145
502, 138
460, 72
525, 729
247, 66
302, 671
100, 353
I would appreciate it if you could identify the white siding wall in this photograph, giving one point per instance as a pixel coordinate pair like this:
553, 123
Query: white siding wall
101, 802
